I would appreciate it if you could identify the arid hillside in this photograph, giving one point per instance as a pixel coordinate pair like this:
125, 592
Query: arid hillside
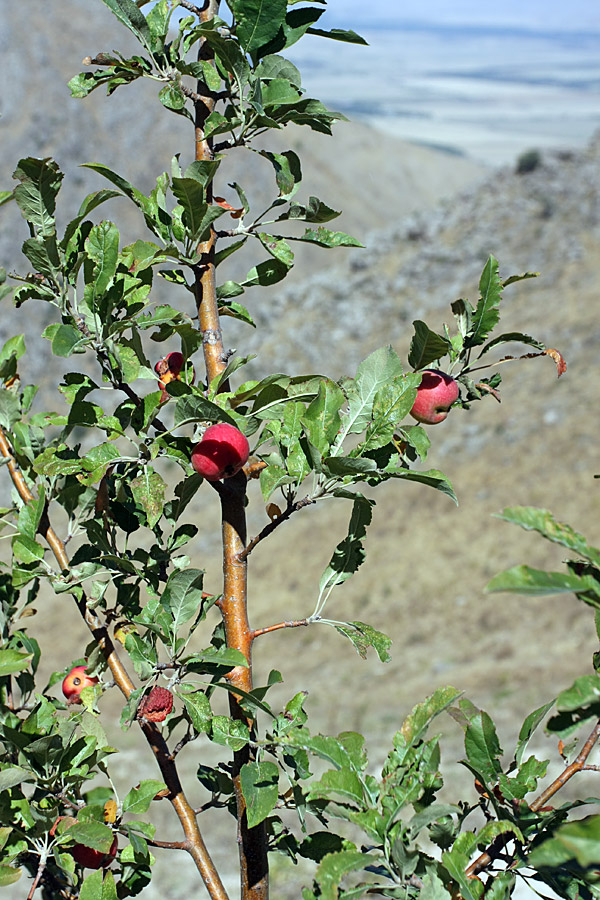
427, 561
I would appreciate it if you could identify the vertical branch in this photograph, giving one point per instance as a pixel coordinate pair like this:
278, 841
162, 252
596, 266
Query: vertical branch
205, 280
252, 841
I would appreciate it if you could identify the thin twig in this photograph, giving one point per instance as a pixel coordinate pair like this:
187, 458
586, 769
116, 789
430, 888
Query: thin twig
294, 624
270, 528
38, 875
578, 765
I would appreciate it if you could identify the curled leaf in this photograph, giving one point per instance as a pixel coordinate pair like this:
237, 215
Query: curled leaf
561, 363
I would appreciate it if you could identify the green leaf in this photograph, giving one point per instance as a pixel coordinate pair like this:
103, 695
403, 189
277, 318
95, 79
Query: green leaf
322, 419
148, 491
40, 181
278, 248
13, 775
288, 171
66, 339
364, 636
266, 273
456, 861
487, 314
325, 238
314, 211
525, 580
142, 654
172, 97
196, 408
340, 34
416, 724
90, 834
102, 246
426, 346
258, 21
12, 661
130, 15
512, 337
343, 782
575, 840
348, 465
8, 875
42, 253
541, 520
124, 186
349, 554
93, 887
198, 709
182, 595
482, 747
529, 726
392, 403
26, 550
230, 733
260, 787
584, 691
334, 866
275, 66
13, 347
377, 370
432, 477
10, 409
139, 798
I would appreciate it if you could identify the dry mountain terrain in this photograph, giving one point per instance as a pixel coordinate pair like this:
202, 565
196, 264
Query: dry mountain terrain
427, 561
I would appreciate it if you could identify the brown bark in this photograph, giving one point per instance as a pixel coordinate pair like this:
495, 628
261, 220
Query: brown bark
252, 842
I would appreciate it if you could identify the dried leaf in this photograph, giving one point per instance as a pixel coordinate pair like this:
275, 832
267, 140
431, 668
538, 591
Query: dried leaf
561, 364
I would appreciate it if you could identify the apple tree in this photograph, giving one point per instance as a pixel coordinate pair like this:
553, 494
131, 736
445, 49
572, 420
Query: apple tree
149, 389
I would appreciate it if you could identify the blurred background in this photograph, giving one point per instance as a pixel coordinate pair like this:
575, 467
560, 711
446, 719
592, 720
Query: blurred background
473, 130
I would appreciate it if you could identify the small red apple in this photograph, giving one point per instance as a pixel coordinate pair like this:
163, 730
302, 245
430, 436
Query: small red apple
75, 682
93, 859
169, 369
435, 395
221, 453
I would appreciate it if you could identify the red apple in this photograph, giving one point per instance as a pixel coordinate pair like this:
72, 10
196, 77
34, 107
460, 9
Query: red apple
221, 453
169, 369
93, 859
435, 395
75, 682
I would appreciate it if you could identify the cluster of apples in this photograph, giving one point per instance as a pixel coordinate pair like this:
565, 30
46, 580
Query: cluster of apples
224, 450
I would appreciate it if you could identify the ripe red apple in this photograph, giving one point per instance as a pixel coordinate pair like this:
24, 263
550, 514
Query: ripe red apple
435, 395
93, 859
221, 453
75, 682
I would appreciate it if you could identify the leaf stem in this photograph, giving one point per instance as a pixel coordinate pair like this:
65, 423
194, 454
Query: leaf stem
296, 623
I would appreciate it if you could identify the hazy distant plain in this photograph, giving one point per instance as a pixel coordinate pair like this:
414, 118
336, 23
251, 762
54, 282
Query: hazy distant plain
486, 92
